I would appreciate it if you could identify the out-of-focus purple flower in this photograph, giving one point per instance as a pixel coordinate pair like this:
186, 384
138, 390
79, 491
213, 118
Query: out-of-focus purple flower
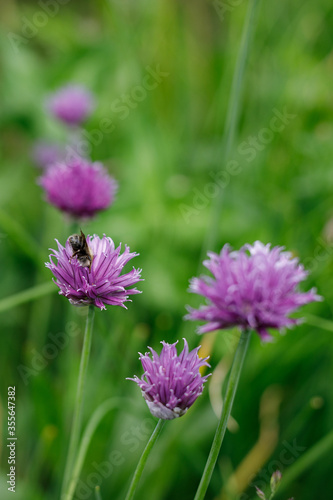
78, 187
71, 104
255, 287
100, 285
171, 383
46, 153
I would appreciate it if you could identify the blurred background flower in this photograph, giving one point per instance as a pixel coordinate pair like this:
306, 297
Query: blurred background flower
78, 188
46, 153
71, 104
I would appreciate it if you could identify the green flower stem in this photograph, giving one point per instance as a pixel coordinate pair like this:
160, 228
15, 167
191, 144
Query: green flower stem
232, 118
235, 372
143, 459
324, 324
22, 239
97, 416
76, 425
307, 460
73, 228
33, 293
98, 493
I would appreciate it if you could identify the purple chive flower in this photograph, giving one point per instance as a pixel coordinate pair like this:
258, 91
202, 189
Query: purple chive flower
46, 153
256, 287
102, 283
171, 383
78, 187
71, 104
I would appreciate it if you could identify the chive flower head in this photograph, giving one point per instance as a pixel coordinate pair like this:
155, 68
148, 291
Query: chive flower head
171, 383
78, 187
101, 283
71, 104
253, 288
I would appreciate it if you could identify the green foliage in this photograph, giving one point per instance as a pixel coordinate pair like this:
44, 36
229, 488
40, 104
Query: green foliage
165, 150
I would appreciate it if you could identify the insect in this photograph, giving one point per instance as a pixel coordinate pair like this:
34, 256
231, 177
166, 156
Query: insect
81, 250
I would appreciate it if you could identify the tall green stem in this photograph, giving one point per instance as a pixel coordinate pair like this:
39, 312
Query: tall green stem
143, 460
29, 295
307, 460
98, 493
76, 425
99, 413
227, 406
232, 118
324, 324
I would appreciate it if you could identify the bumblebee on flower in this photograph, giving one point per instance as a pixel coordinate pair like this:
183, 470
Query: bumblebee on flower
101, 282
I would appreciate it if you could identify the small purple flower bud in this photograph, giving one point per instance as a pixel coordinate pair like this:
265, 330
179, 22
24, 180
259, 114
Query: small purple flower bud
275, 481
171, 383
260, 493
71, 104
253, 288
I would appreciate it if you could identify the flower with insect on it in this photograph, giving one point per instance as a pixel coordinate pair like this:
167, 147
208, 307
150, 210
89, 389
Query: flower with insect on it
253, 288
101, 282
171, 383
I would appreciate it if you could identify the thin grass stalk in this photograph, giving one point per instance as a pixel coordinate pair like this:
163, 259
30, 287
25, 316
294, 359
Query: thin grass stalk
232, 119
308, 459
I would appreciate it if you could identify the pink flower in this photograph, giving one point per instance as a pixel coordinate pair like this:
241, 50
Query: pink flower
71, 104
78, 187
102, 283
171, 383
255, 288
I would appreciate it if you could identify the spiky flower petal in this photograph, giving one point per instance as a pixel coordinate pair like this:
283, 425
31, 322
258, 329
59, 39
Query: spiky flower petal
255, 287
171, 383
102, 284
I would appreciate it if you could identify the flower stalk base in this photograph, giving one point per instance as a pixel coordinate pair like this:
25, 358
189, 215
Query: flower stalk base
143, 459
76, 426
226, 410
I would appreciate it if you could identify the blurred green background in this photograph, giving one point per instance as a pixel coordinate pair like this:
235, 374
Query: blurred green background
164, 149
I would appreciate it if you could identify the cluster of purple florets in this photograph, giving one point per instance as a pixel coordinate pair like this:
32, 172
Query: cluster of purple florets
255, 288
73, 183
